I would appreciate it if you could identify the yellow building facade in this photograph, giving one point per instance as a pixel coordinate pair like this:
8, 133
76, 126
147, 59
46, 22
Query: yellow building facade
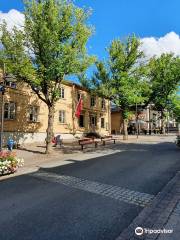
116, 122
25, 115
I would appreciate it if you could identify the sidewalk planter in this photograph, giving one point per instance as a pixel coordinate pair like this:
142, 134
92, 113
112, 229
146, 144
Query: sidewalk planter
9, 163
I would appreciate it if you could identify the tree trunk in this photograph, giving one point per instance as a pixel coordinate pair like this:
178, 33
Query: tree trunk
49, 129
125, 132
163, 130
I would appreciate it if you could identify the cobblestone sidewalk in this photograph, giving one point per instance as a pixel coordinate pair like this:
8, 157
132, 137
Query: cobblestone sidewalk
162, 214
173, 222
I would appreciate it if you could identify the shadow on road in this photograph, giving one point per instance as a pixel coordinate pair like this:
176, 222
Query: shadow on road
140, 167
36, 204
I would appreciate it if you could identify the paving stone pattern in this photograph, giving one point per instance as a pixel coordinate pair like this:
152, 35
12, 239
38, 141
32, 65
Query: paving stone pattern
162, 213
173, 223
114, 192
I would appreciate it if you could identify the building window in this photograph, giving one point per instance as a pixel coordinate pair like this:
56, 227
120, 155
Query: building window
93, 121
107, 126
10, 84
61, 92
33, 113
102, 123
81, 121
103, 104
93, 101
80, 95
62, 116
10, 111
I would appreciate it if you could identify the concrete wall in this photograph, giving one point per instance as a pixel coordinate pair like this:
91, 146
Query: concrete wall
23, 138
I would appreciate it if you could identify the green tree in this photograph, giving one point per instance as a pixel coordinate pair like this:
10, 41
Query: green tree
174, 107
121, 77
50, 46
164, 76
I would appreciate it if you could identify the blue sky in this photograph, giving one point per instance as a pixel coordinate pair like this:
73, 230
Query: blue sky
118, 18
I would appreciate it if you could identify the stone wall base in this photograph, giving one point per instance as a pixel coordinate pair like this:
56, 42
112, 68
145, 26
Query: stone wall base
22, 138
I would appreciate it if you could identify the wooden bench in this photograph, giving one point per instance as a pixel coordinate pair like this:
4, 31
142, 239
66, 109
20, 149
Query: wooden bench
108, 138
83, 142
84, 139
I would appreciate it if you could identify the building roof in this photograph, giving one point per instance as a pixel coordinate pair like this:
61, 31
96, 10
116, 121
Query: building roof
70, 83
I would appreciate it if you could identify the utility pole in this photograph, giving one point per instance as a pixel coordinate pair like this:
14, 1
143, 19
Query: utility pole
150, 119
2, 109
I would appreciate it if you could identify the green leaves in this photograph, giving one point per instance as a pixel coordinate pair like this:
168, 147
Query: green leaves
174, 107
51, 46
164, 75
121, 77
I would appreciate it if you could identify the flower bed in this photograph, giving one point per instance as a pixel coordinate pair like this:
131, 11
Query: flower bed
9, 162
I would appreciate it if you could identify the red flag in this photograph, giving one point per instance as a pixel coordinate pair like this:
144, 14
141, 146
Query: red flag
79, 108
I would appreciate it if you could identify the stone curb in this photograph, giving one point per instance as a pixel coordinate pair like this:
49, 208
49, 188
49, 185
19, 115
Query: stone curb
156, 215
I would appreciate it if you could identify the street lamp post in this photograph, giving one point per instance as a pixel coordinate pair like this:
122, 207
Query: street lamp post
2, 90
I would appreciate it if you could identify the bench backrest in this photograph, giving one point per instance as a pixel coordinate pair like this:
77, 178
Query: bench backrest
105, 137
85, 140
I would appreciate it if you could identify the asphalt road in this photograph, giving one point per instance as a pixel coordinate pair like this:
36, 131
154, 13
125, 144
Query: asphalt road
53, 207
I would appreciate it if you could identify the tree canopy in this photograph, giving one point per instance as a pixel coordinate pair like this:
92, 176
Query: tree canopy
121, 77
164, 76
50, 46
173, 107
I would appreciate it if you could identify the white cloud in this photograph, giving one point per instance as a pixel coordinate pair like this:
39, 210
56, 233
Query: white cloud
170, 43
12, 18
